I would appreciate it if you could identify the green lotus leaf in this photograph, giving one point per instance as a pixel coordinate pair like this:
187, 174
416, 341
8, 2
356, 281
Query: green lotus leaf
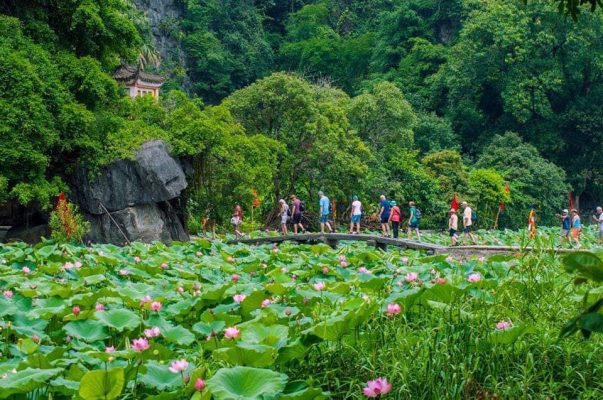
87, 330
245, 383
119, 319
25, 380
101, 384
159, 376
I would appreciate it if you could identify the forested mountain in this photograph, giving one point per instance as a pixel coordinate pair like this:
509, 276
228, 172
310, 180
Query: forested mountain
415, 98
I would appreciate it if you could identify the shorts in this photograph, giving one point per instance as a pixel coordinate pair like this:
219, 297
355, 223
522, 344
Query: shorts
296, 218
565, 233
324, 219
385, 219
576, 232
600, 234
284, 219
356, 219
236, 221
468, 229
452, 232
414, 225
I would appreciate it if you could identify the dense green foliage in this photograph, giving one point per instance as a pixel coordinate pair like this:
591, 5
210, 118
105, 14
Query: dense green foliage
405, 98
297, 322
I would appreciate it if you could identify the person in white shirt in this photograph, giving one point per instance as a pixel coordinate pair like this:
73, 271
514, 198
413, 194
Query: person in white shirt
468, 222
284, 214
598, 218
356, 215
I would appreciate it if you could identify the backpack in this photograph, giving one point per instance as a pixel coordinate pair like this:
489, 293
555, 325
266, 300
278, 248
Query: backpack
473, 216
418, 213
302, 206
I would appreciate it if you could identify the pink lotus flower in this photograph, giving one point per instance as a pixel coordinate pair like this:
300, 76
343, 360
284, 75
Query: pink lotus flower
440, 280
196, 293
234, 277
124, 272
164, 265
199, 384
475, 277
344, 264
411, 277
342, 258
8, 294
393, 309
288, 311
503, 325
75, 310
275, 249
178, 366
404, 260
156, 306
198, 254
294, 277
140, 344
153, 332
136, 259
35, 338
180, 289
99, 307
238, 298
110, 349
363, 270
78, 264
319, 286
26, 270
325, 270
266, 303
68, 265
376, 388
232, 333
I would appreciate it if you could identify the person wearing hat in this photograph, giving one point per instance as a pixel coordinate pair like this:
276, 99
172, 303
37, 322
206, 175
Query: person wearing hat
565, 226
453, 226
356, 215
395, 216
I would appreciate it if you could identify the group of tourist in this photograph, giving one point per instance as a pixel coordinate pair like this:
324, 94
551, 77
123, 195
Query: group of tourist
390, 218
571, 226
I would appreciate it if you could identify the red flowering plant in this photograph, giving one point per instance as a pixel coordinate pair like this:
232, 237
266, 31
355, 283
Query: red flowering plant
66, 223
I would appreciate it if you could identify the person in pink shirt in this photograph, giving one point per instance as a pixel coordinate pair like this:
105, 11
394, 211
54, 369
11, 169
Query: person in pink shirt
395, 216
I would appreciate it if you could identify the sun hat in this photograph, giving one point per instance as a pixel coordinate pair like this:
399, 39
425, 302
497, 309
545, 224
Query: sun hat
392, 203
564, 211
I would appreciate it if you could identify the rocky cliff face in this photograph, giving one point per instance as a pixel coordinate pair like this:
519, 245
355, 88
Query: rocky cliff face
164, 18
134, 200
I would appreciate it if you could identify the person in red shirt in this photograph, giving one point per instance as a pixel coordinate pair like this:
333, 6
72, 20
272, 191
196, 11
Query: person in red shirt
394, 217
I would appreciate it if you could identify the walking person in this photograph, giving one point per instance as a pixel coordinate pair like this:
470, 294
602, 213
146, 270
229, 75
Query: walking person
395, 217
355, 215
468, 222
297, 209
324, 206
413, 221
453, 227
566, 225
576, 228
237, 220
284, 214
598, 218
384, 211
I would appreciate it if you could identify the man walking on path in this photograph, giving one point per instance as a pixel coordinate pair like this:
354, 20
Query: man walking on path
356, 215
395, 217
384, 212
467, 222
598, 218
566, 225
284, 214
324, 205
453, 226
413, 221
296, 214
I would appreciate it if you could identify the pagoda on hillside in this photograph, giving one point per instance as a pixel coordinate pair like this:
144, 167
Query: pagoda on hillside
138, 82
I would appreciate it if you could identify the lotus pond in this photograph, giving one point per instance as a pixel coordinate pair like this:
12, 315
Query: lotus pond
207, 320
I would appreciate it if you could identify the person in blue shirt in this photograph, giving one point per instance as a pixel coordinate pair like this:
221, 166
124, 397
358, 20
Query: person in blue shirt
384, 211
325, 207
566, 225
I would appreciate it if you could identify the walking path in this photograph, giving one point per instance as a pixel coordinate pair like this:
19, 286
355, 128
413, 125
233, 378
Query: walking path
333, 239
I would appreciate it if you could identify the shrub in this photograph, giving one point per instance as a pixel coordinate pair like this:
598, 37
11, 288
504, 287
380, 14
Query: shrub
66, 223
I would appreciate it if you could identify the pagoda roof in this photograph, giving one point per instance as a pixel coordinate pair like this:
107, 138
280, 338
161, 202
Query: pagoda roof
128, 75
